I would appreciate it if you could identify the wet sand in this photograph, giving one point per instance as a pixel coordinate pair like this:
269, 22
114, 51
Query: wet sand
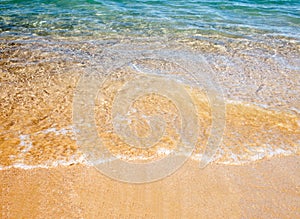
265, 189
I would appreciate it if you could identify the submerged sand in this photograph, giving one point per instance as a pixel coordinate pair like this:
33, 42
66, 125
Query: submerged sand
39, 80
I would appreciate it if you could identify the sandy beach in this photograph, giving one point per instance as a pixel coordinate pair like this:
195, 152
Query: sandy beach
149, 109
265, 189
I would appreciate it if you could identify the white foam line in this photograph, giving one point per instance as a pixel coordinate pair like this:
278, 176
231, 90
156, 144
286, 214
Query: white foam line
80, 160
238, 159
235, 159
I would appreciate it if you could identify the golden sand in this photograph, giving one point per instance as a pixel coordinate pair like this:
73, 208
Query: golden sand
266, 189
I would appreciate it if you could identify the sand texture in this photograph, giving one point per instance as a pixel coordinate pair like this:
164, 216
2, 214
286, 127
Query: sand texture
266, 189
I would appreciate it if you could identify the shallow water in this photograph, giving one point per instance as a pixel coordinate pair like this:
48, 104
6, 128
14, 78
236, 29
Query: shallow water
39, 79
251, 48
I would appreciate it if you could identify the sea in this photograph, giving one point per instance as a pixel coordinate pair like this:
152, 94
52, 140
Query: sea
237, 60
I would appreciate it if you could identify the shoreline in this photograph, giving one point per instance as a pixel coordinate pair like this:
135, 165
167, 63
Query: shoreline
39, 81
201, 96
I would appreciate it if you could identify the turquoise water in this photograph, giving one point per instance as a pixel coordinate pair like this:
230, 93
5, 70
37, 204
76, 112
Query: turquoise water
232, 19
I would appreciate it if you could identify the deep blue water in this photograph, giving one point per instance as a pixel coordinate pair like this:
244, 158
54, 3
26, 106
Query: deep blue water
243, 18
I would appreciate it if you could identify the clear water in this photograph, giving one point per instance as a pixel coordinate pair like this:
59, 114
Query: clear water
233, 19
46, 46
